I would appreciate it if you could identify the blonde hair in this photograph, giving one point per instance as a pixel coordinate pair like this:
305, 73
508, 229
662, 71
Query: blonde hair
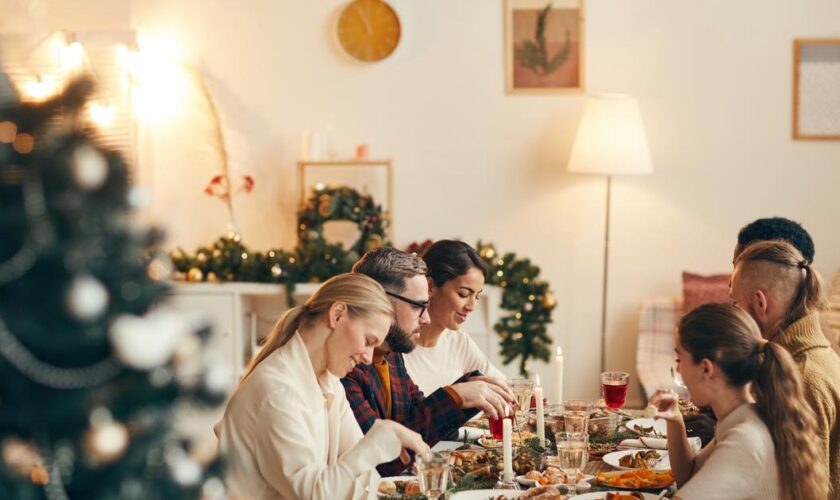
361, 295
729, 337
787, 265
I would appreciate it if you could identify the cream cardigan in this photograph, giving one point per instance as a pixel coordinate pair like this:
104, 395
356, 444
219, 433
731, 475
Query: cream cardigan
288, 436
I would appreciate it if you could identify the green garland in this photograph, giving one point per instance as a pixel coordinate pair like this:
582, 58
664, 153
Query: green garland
522, 333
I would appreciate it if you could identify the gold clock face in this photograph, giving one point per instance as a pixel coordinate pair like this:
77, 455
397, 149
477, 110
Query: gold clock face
369, 30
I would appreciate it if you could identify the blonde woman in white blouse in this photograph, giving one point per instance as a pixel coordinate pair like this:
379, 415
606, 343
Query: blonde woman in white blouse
444, 352
288, 431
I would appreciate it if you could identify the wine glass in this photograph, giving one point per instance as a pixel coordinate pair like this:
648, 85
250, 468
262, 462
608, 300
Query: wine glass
521, 388
432, 472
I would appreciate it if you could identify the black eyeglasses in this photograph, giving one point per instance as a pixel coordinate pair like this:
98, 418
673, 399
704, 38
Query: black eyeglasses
419, 305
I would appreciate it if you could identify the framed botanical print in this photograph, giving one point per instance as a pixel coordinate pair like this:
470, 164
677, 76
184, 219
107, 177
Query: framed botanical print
816, 89
544, 46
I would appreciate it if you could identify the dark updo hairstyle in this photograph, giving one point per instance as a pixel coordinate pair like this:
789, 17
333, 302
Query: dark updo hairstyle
448, 259
729, 337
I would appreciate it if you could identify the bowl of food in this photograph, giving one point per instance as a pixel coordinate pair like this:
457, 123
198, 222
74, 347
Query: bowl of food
603, 426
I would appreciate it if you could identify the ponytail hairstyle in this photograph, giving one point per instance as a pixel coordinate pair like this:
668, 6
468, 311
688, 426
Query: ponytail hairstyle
808, 296
361, 295
729, 337
448, 259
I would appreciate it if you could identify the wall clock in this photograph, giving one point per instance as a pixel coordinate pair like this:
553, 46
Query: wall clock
368, 30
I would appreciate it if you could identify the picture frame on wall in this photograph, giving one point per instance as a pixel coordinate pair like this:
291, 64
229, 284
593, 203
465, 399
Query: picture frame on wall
544, 46
816, 89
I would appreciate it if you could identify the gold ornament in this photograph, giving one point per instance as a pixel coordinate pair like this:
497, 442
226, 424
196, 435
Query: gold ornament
325, 206
487, 252
217, 253
201, 257
548, 301
373, 242
176, 254
39, 475
107, 439
179, 276
276, 270
212, 278
195, 275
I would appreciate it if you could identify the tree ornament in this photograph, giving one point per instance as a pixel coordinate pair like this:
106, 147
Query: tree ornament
487, 252
212, 278
276, 270
528, 307
548, 301
146, 342
107, 439
89, 167
160, 268
184, 470
194, 275
20, 456
218, 379
87, 298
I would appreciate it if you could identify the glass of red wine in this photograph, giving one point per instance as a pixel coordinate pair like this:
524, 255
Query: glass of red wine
614, 388
496, 424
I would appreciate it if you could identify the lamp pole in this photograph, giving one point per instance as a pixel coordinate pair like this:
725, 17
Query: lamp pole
606, 266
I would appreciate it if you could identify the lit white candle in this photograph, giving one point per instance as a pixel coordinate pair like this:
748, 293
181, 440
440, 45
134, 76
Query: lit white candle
558, 364
507, 455
538, 395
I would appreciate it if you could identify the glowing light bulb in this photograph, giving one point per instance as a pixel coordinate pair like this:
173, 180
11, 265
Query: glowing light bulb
101, 115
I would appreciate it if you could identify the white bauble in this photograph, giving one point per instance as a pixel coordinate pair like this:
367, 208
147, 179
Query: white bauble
90, 168
146, 342
87, 298
218, 379
185, 471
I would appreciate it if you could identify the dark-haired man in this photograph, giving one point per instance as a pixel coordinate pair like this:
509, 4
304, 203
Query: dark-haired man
384, 389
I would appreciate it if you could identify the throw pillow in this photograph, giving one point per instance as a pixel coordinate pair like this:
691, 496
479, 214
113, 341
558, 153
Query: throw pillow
699, 289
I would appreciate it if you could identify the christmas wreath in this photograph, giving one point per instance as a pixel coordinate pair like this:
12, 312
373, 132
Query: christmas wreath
337, 204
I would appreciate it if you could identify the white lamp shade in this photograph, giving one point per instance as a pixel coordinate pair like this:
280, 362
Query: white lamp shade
611, 138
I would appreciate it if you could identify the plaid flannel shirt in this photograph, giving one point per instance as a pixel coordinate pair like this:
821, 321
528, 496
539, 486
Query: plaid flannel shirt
433, 417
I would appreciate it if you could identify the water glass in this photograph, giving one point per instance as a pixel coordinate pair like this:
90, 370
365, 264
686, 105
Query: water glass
572, 453
576, 416
614, 388
432, 472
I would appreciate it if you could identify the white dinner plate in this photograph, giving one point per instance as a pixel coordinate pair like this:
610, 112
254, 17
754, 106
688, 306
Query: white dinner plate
470, 433
601, 495
658, 425
485, 494
612, 459
392, 478
447, 445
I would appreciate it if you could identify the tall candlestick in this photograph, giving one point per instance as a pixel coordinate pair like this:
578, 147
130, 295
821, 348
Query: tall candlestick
507, 455
558, 366
538, 393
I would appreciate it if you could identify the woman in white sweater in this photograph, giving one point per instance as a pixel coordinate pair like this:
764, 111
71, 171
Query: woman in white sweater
288, 431
444, 352
763, 446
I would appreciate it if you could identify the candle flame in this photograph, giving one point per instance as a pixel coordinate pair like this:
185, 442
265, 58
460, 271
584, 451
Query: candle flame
537, 380
559, 351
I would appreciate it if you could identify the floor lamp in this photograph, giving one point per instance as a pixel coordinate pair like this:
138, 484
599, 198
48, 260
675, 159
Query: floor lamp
610, 141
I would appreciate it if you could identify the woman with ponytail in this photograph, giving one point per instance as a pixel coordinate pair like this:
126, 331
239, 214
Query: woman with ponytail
288, 431
763, 446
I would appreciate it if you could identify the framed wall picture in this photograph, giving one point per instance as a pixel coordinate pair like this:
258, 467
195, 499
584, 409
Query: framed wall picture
372, 177
816, 89
544, 46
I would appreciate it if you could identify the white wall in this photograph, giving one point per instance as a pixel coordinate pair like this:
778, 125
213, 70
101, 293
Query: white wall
713, 82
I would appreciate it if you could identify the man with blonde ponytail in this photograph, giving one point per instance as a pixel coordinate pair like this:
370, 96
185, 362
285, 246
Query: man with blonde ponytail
777, 286
384, 389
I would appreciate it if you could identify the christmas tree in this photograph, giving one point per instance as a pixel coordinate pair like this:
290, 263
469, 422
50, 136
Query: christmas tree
91, 371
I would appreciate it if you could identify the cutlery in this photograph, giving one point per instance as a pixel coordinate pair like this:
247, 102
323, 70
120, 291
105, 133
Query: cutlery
662, 494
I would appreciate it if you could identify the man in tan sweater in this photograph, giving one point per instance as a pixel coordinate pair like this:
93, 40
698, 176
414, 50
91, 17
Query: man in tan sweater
777, 286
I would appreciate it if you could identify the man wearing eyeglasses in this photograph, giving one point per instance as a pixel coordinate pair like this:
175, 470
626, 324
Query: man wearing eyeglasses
384, 389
